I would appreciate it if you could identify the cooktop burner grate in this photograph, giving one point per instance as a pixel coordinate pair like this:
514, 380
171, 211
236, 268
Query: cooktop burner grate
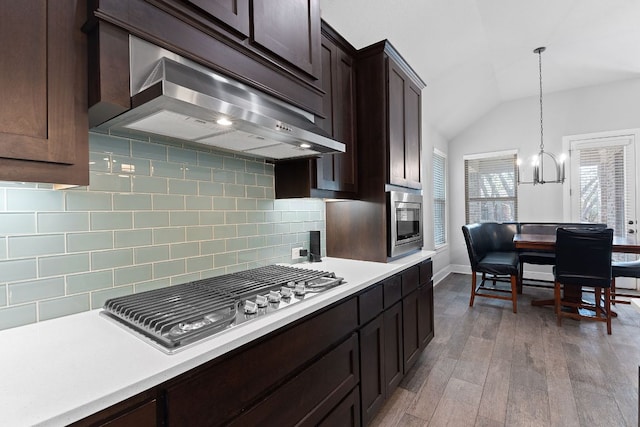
182, 314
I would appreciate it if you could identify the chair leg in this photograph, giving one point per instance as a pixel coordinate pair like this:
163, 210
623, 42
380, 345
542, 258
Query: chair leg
473, 287
514, 292
598, 301
607, 307
520, 277
613, 290
556, 293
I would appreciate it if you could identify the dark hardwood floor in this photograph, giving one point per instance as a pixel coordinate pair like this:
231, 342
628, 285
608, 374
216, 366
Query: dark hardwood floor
487, 366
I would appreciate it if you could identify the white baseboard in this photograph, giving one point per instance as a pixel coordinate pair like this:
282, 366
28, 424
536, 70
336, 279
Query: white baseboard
466, 269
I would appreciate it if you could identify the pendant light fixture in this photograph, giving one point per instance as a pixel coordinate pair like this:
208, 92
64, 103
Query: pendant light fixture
538, 161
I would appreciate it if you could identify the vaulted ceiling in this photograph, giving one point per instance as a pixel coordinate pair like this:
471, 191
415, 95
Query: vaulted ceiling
476, 54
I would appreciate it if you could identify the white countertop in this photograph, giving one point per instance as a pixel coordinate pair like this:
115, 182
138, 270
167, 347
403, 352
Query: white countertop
59, 371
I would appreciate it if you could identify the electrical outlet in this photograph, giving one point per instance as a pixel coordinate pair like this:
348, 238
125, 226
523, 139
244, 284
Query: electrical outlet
295, 253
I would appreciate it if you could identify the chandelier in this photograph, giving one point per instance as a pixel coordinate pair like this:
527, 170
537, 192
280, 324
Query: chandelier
538, 161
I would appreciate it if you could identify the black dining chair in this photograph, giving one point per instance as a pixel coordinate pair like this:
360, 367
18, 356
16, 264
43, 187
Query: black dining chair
623, 269
491, 251
583, 258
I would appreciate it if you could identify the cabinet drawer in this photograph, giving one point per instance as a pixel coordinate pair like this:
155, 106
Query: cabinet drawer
296, 402
426, 272
370, 304
239, 380
410, 279
392, 290
346, 414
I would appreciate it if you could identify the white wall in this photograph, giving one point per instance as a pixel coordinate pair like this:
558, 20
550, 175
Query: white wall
516, 125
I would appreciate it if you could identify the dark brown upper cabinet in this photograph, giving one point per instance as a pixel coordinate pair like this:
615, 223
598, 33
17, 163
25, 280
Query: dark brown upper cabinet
404, 128
43, 81
234, 13
273, 46
331, 175
389, 115
291, 30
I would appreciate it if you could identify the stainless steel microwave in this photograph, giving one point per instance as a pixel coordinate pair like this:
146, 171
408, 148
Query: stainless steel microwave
405, 216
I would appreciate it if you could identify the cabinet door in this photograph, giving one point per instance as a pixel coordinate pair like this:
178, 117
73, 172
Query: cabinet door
337, 172
291, 30
234, 13
404, 128
372, 383
43, 82
425, 314
411, 338
393, 360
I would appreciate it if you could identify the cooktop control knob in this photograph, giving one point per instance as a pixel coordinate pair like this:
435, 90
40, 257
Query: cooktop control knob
286, 292
261, 301
299, 289
274, 296
250, 307
291, 284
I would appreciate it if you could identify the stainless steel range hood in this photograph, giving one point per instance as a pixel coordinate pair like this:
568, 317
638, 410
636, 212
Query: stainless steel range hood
177, 98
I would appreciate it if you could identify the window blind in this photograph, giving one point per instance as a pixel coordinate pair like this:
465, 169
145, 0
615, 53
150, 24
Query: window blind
603, 193
491, 192
439, 200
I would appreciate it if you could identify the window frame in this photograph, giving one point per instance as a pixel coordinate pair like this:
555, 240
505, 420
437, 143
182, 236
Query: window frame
491, 156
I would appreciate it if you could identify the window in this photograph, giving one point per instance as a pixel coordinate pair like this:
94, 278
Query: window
604, 173
439, 198
491, 193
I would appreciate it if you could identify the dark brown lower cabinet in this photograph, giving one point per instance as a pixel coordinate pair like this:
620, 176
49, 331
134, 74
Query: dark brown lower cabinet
296, 403
332, 368
381, 360
137, 411
410, 336
425, 314
393, 351
372, 368
346, 414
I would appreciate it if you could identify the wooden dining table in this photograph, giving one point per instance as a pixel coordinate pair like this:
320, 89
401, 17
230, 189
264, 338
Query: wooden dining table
547, 242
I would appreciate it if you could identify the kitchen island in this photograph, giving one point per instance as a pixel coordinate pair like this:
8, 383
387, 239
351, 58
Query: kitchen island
62, 370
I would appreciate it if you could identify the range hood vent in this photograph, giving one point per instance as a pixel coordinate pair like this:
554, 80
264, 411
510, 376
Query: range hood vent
179, 99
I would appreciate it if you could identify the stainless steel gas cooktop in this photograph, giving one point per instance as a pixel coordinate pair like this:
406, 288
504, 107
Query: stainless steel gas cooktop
174, 317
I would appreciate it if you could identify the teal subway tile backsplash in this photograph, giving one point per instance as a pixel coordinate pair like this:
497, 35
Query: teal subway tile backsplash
18, 315
133, 238
102, 181
34, 200
130, 166
134, 274
83, 242
111, 259
58, 307
132, 202
36, 290
151, 254
63, 264
148, 150
17, 223
100, 143
62, 222
30, 246
149, 184
155, 214
85, 201
181, 155
87, 282
111, 220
